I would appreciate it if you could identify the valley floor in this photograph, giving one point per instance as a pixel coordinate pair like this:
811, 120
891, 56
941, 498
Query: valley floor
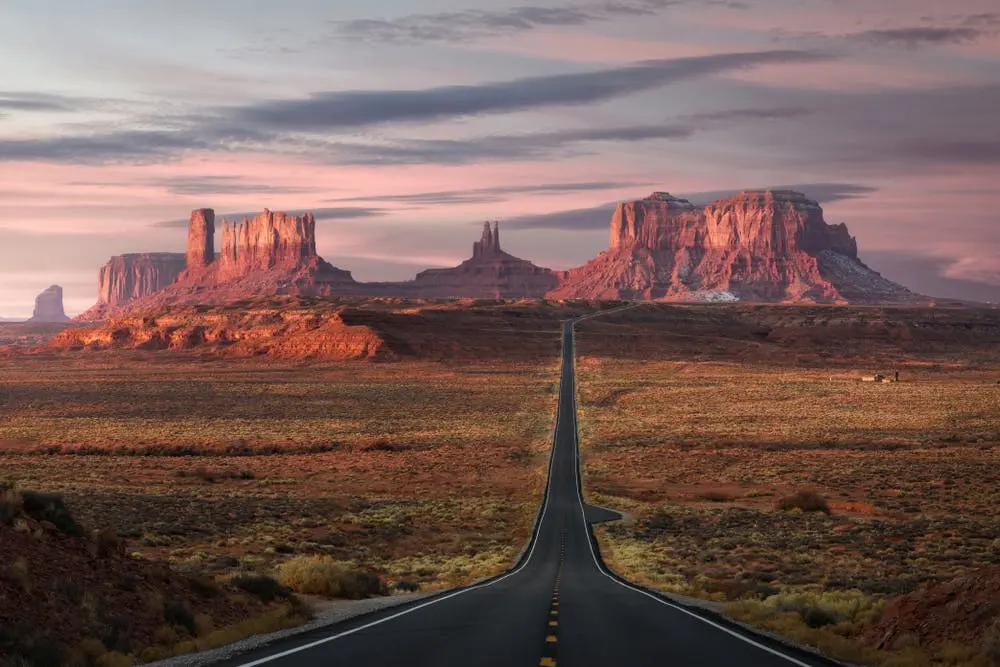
769, 478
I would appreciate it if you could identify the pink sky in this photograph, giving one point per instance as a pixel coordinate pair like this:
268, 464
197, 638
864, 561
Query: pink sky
102, 138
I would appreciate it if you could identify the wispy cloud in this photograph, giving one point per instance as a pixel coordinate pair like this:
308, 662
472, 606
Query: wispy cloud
598, 217
336, 213
542, 145
490, 195
471, 24
24, 101
345, 110
262, 122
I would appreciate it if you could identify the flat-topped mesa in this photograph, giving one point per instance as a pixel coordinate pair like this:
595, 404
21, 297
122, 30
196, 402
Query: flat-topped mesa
201, 240
660, 220
267, 241
126, 278
757, 245
489, 244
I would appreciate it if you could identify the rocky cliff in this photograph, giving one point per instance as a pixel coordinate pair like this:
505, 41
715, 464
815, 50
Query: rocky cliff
490, 273
756, 246
49, 306
270, 254
126, 278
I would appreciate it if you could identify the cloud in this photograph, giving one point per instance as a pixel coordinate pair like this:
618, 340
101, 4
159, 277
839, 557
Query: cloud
595, 217
347, 110
918, 36
540, 145
489, 195
824, 193
599, 217
23, 101
934, 276
264, 123
336, 213
222, 185
471, 24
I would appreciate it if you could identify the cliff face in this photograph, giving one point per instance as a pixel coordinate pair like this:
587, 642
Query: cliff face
491, 273
757, 246
49, 306
267, 241
129, 277
126, 278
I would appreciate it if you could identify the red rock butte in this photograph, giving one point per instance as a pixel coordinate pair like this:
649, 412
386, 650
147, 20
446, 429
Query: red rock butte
769, 246
759, 246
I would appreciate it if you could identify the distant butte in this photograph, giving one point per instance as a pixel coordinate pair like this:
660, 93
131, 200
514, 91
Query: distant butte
490, 273
765, 246
49, 306
759, 246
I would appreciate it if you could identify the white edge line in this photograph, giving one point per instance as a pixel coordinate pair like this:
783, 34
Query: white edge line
536, 530
590, 542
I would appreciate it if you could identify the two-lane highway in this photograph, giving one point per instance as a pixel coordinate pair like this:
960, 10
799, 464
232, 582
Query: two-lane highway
559, 606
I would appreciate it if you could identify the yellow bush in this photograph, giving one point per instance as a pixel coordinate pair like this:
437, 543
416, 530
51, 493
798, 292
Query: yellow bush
114, 659
324, 576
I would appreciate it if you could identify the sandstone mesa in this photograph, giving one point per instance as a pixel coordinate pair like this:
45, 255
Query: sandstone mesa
766, 246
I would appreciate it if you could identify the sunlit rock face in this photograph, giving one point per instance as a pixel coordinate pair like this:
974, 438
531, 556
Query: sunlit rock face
756, 246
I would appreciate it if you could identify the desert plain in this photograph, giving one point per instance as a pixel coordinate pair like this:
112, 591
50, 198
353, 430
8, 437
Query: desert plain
376, 447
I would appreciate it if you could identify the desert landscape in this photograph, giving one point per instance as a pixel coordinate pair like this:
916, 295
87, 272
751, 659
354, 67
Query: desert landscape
761, 472
500, 332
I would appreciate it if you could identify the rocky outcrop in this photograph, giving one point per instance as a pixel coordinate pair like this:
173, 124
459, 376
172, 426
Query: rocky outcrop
127, 278
491, 273
49, 306
271, 254
201, 240
267, 241
757, 246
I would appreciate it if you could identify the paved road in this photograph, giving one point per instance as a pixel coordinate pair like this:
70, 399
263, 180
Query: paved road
559, 606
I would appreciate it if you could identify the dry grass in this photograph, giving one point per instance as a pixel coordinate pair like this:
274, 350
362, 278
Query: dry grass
420, 472
889, 486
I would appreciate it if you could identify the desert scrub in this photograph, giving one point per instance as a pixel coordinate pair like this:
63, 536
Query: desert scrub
804, 501
326, 577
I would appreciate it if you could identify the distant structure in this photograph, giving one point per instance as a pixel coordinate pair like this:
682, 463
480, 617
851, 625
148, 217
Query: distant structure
489, 245
49, 306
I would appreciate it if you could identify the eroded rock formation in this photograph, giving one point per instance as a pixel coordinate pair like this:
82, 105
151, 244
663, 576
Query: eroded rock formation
49, 306
491, 273
267, 241
201, 240
756, 246
127, 278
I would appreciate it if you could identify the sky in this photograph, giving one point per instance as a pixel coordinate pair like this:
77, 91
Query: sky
405, 123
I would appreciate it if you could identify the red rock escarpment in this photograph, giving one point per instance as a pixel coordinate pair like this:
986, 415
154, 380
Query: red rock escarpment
201, 240
756, 246
126, 278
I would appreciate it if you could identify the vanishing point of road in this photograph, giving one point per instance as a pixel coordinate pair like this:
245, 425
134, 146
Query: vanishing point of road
559, 606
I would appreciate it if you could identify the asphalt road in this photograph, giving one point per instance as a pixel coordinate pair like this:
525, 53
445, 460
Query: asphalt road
559, 606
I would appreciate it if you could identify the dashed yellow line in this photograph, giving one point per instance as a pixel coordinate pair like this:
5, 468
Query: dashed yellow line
547, 662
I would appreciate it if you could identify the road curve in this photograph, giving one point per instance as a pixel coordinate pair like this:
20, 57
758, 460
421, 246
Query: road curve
559, 606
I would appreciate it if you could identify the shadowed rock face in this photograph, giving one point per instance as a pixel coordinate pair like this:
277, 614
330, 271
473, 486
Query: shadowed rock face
49, 306
491, 273
757, 246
